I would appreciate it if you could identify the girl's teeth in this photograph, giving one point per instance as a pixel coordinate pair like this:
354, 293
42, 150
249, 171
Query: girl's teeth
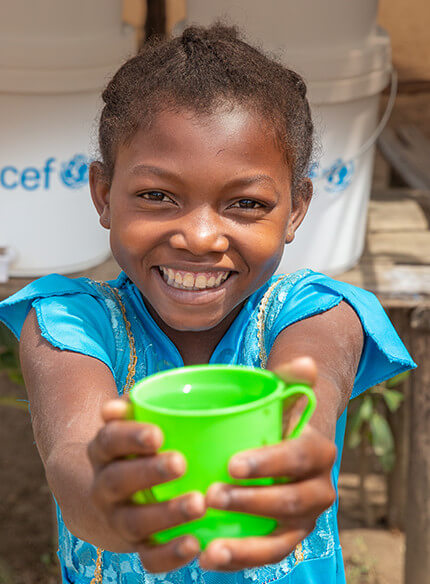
200, 282
190, 281
170, 276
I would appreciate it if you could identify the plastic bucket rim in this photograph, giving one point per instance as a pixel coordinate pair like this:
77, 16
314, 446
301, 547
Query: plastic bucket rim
215, 412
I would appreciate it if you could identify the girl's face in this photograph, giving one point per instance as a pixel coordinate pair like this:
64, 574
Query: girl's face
199, 210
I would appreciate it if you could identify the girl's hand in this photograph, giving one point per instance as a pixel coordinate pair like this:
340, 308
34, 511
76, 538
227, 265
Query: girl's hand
117, 477
307, 462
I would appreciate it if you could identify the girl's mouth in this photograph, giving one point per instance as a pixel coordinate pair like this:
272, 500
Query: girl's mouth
196, 281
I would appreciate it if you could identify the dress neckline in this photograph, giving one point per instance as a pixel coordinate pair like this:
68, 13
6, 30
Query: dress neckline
227, 342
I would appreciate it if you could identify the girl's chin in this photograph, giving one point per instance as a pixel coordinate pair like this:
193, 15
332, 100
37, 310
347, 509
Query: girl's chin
188, 324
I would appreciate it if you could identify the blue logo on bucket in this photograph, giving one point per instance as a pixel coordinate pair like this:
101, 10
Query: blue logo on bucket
339, 176
336, 178
72, 173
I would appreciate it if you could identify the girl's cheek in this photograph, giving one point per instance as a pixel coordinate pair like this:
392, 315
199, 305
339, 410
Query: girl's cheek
134, 238
268, 246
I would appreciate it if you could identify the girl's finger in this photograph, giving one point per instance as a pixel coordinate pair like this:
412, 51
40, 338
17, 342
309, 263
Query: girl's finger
167, 557
282, 502
137, 522
119, 480
309, 455
116, 409
299, 370
121, 438
236, 554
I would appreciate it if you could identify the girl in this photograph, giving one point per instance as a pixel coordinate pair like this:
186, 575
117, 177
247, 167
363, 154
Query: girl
205, 146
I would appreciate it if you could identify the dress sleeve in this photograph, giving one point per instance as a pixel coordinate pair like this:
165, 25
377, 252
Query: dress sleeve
70, 316
384, 355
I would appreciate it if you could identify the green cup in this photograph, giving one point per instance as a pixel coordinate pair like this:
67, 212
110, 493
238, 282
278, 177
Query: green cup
209, 413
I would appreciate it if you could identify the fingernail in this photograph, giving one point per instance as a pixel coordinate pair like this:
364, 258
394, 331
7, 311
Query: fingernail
172, 465
186, 547
193, 505
144, 437
150, 437
240, 466
175, 464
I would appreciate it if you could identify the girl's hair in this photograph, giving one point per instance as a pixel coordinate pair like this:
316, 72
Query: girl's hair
199, 71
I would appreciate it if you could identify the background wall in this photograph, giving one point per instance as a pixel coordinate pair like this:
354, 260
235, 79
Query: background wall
408, 23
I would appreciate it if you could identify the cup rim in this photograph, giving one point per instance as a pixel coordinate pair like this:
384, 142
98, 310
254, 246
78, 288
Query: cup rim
279, 384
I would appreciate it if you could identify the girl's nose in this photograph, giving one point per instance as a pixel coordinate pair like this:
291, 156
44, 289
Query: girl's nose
200, 234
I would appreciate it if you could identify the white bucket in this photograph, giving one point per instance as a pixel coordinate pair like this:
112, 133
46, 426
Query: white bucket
345, 108
55, 57
346, 62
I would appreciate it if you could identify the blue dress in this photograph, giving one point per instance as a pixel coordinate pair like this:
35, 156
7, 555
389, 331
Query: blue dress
92, 318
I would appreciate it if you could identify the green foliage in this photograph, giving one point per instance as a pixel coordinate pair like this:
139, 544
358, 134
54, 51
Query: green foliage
367, 422
9, 357
9, 363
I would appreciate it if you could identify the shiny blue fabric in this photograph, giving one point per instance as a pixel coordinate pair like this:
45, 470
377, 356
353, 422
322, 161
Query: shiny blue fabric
83, 316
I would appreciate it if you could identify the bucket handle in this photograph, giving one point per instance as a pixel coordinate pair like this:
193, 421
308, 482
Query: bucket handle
291, 393
383, 121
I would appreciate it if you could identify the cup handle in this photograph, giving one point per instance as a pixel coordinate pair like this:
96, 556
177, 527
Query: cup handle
295, 391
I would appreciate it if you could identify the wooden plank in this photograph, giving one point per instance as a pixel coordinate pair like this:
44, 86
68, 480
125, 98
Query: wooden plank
399, 247
422, 197
386, 216
395, 284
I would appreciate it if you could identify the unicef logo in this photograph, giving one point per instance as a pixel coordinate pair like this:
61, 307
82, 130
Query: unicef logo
74, 173
337, 177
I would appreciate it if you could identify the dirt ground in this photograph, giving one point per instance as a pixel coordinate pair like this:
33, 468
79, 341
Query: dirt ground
27, 537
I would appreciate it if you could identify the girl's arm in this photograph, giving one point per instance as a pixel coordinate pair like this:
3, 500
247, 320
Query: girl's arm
67, 392
325, 351
334, 340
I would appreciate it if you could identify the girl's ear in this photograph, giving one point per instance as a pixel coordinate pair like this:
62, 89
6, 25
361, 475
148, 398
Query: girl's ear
300, 205
100, 193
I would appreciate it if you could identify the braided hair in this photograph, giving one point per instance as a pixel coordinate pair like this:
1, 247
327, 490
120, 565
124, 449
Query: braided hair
200, 70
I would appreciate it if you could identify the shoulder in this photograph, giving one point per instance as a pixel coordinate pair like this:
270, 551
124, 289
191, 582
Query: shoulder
71, 315
306, 294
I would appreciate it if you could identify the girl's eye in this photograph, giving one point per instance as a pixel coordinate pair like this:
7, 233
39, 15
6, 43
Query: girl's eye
156, 196
247, 204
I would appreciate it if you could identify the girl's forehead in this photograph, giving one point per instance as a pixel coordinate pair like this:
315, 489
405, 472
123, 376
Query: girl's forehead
228, 135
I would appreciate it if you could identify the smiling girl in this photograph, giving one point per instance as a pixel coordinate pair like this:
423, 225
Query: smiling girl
205, 146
